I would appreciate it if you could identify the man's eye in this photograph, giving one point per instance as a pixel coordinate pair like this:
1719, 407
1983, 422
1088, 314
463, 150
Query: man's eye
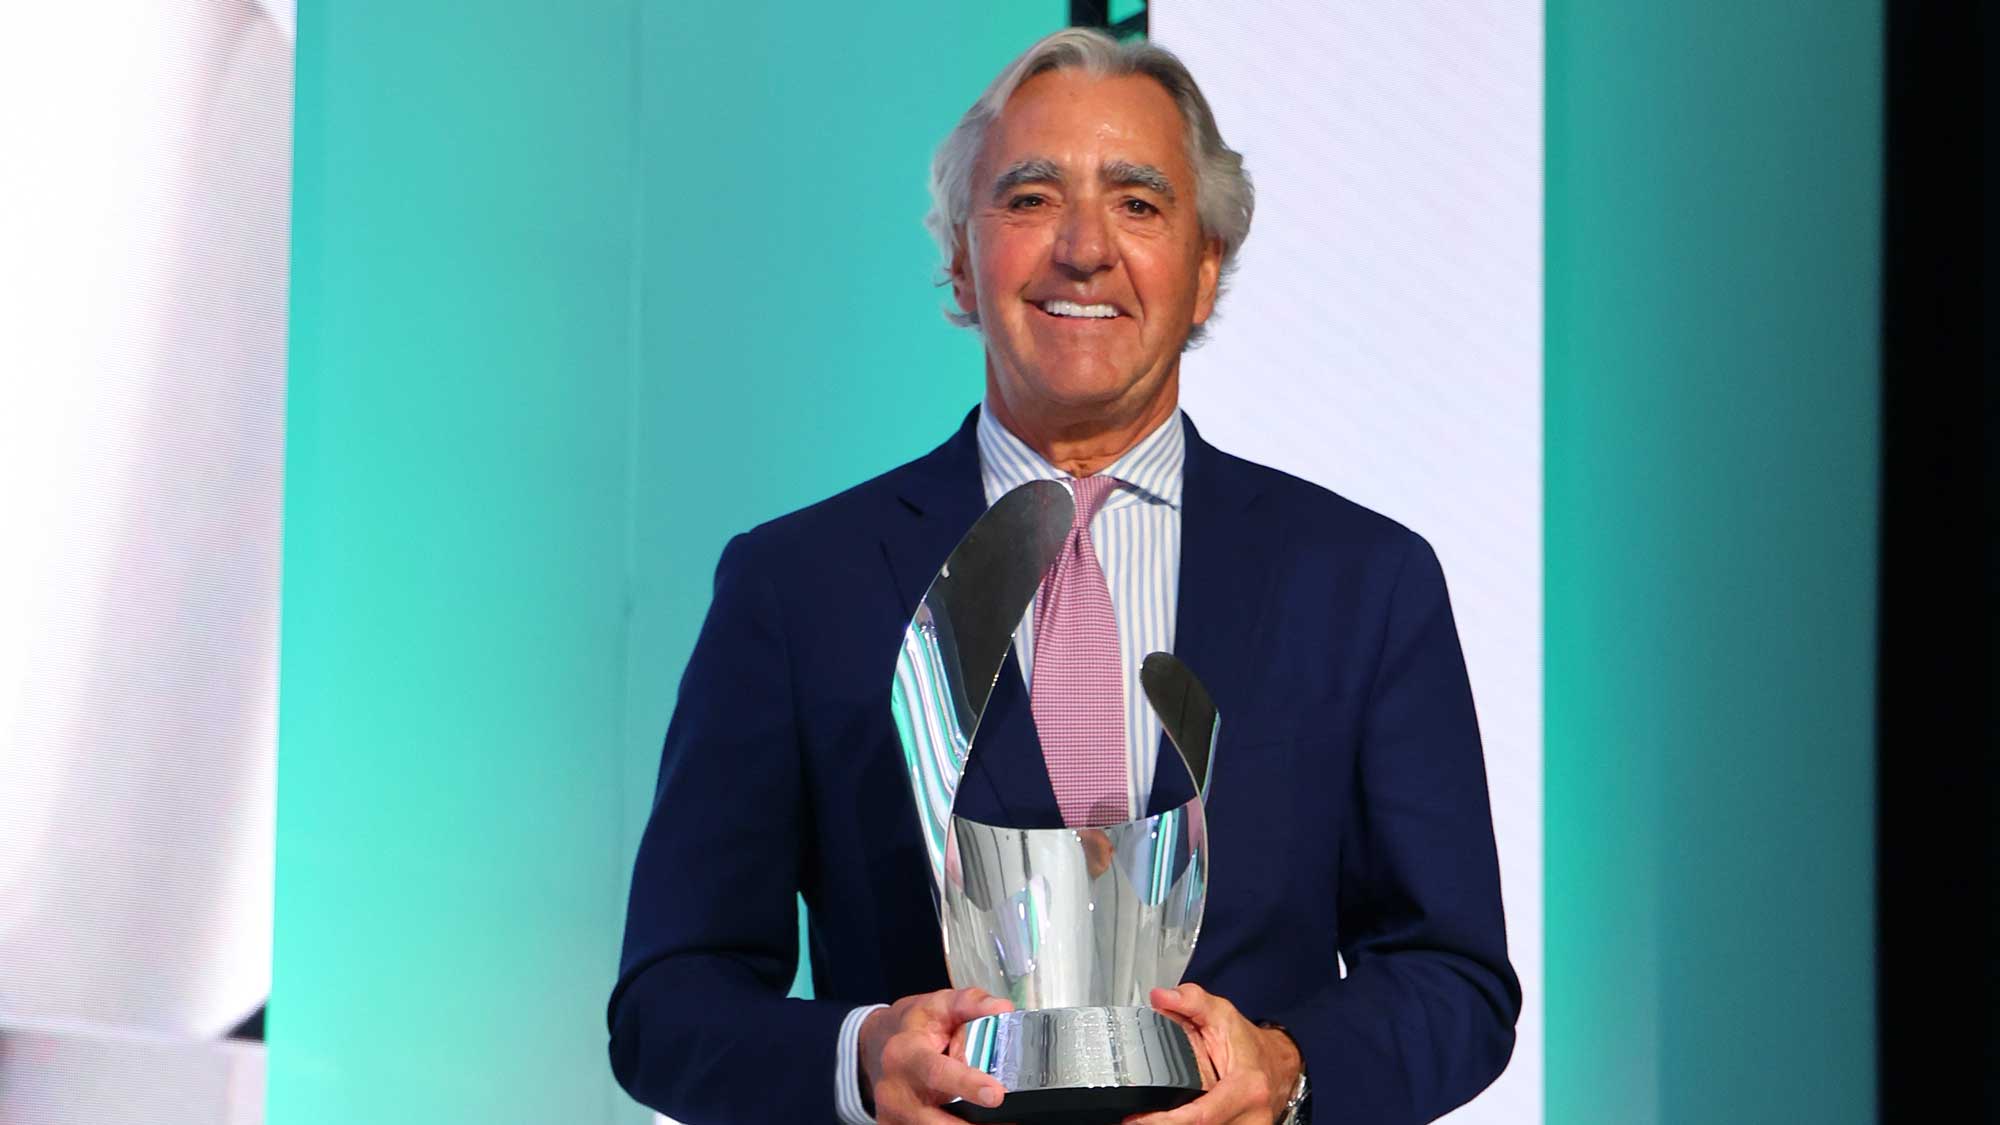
1140, 207
1024, 202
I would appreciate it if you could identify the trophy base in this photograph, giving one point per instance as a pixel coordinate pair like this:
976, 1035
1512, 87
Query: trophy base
1080, 1066
1099, 1106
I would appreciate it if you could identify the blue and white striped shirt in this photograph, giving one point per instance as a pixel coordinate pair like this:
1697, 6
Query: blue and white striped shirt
1137, 533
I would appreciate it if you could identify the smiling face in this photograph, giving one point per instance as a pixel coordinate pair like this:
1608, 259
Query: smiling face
1083, 255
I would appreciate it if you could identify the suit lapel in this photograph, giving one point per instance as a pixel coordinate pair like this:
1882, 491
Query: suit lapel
941, 497
1006, 781
1227, 568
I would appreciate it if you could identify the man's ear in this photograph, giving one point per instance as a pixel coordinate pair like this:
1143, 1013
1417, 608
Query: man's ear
962, 290
1208, 279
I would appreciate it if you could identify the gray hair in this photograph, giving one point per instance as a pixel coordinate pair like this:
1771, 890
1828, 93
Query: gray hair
1223, 196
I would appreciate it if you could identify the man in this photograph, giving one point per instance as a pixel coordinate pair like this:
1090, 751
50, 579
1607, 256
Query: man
1088, 211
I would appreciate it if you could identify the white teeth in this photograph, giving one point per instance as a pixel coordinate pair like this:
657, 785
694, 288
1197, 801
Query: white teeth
1071, 308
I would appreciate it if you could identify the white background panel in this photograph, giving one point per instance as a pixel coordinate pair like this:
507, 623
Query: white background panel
1383, 335
145, 186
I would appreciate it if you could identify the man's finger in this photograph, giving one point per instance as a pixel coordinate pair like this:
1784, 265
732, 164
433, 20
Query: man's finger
1187, 1000
926, 1115
1227, 1102
910, 1113
1197, 1003
971, 1003
947, 1078
932, 1012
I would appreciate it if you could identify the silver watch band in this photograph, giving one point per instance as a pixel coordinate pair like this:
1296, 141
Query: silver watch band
1295, 1108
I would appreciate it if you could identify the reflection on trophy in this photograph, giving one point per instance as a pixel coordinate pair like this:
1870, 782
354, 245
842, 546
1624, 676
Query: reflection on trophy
1073, 925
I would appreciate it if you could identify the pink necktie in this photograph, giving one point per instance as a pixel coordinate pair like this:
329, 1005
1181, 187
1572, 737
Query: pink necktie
1078, 704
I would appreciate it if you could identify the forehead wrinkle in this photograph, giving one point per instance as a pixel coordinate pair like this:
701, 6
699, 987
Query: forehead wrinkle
1124, 173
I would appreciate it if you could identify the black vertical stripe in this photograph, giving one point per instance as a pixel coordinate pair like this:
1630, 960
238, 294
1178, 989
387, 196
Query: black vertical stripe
1938, 827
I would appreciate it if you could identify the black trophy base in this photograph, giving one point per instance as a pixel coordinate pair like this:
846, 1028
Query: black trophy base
1097, 1106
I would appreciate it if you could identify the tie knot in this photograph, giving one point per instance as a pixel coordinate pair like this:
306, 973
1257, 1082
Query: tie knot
1090, 493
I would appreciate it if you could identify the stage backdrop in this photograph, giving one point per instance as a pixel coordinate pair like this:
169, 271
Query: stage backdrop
578, 293
582, 294
145, 174
1383, 337
1713, 233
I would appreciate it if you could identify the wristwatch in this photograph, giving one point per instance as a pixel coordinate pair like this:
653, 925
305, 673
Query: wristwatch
1296, 1109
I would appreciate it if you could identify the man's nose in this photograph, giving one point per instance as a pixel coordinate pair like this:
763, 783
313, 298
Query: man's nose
1083, 243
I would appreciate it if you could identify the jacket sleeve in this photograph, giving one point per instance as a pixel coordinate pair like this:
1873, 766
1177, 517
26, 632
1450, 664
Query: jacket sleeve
701, 1028
1424, 1018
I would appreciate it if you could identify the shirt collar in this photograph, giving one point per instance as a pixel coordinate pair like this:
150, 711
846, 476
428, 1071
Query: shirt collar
1151, 469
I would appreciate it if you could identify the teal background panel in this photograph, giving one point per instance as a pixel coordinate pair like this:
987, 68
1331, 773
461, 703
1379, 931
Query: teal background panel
576, 294
1712, 288
456, 517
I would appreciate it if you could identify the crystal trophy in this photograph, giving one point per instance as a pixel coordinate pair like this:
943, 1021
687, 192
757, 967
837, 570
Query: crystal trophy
1075, 926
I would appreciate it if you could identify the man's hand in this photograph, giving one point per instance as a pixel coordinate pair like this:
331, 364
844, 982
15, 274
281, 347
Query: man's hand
907, 1070
1255, 1068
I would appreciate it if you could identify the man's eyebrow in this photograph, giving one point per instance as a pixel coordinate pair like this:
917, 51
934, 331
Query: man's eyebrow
1123, 173
1035, 170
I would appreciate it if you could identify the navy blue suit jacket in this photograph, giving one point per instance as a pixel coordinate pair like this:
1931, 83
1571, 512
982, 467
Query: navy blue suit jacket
1348, 809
